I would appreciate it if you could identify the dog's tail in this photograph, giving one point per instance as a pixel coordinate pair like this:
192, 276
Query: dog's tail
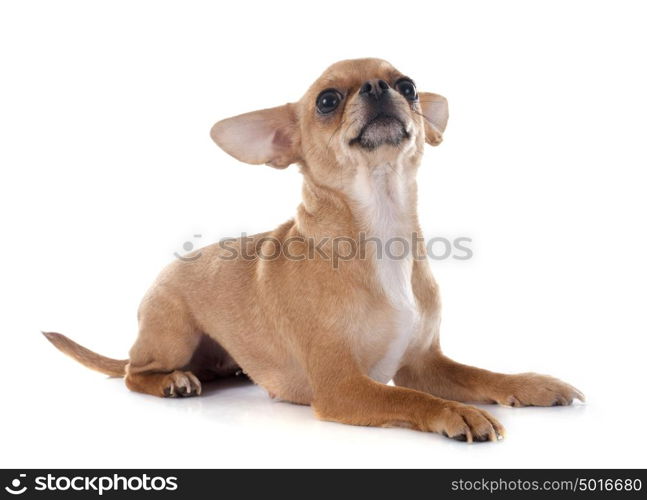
108, 366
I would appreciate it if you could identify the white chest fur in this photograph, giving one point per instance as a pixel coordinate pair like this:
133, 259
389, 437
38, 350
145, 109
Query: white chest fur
383, 204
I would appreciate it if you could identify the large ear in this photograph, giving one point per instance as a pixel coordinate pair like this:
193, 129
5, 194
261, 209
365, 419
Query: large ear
435, 110
268, 136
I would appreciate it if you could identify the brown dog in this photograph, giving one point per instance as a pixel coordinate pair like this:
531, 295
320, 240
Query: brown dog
314, 311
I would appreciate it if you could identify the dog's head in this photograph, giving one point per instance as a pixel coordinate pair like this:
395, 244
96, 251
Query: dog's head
358, 112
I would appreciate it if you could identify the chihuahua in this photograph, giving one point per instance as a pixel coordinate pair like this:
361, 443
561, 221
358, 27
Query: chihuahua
276, 308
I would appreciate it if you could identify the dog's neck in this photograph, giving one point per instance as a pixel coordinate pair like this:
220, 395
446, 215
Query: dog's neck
379, 201
383, 200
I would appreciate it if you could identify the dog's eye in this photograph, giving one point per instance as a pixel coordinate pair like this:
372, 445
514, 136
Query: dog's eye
328, 101
407, 89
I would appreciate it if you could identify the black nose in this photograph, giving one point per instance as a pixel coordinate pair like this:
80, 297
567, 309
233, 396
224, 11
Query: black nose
374, 88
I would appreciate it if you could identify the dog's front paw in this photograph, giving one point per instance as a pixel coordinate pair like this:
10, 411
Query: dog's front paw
468, 423
180, 384
531, 389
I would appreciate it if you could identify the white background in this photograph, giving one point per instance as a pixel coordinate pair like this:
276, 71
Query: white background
107, 169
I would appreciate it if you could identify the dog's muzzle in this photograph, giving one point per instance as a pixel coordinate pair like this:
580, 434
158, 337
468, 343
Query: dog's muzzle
381, 129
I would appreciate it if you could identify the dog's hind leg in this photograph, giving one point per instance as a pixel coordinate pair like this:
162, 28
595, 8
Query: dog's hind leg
166, 343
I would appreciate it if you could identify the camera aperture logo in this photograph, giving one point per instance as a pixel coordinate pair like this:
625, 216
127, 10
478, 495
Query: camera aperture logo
17, 487
97, 484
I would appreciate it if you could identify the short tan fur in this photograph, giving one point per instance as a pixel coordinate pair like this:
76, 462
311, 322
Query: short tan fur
308, 331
